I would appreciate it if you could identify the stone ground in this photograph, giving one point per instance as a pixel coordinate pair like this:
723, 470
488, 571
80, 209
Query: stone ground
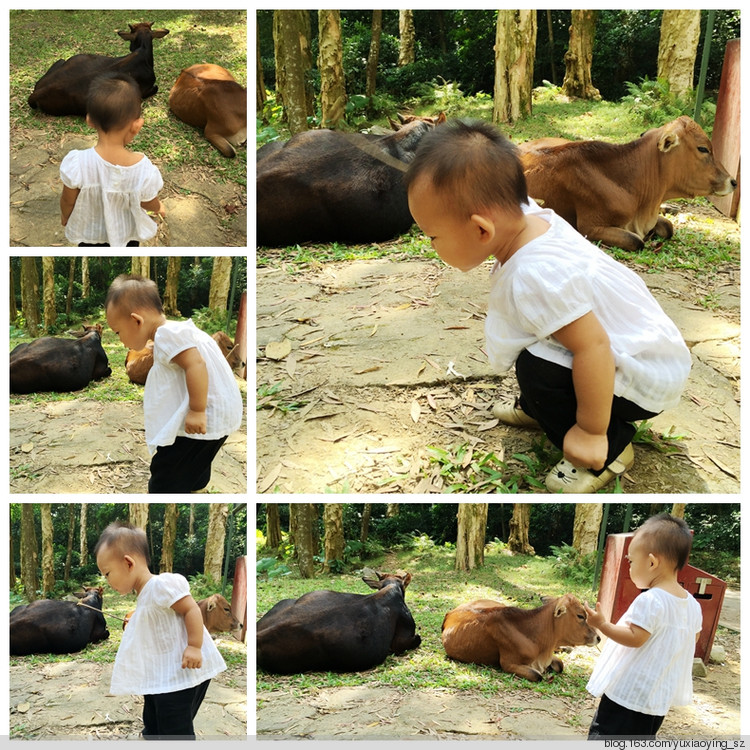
363, 364
200, 211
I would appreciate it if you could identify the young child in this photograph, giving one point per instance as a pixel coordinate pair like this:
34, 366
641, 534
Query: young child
165, 654
191, 402
593, 350
646, 665
107, 189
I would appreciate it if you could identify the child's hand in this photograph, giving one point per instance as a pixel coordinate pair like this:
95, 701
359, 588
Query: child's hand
594, 617
195, 423
584, 449
192, 658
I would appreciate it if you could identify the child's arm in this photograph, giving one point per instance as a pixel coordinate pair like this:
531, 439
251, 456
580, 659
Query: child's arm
67, 202
154, 205
191, 656
585, 444
196, 378
626, 635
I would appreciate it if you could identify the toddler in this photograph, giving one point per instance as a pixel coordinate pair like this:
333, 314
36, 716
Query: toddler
166, 653
191, 402
646, 664
107, 189
593, 351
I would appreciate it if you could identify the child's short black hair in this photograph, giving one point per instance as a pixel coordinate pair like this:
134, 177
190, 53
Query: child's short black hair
472, 165
113, 101
134, 292
124, 539
668, 536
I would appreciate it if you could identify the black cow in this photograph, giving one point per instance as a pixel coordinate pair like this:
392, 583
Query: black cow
52, 364
331, 631
50, 626
327, 186
62, 90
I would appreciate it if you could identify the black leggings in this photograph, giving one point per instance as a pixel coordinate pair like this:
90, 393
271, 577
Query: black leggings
613, 720
169, 716
547, 394
184, 466
132, 243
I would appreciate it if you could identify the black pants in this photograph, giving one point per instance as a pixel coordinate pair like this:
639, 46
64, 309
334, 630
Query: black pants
548, 395
184, 466
613, 720
132, 243
169, 716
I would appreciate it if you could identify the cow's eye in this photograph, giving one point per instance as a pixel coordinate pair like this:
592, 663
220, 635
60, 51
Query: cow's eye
582, 617
703, 149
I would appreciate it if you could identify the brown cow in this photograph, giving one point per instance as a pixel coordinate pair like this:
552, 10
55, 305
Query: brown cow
519, 641
217, 615
612, 192
207, 96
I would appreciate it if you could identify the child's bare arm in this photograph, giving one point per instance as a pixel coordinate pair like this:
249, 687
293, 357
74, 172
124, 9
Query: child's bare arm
67, 202
196, 379
626, 635
188, 608
154, 205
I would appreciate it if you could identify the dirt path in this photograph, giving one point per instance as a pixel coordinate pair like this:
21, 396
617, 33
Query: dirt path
70, 700
383, 712
85, 446
374, 361
201, 212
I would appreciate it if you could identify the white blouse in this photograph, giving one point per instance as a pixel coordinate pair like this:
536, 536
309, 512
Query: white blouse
165, 398
560, 276
149, 660
658, 674
108, 208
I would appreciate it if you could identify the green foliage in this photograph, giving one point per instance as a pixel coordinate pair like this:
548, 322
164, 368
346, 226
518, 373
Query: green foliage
270, 567
655, 104
572, 565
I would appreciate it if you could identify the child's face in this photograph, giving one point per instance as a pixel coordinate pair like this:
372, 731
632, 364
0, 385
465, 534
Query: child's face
642, 563
118, 569
461, 243
129, 326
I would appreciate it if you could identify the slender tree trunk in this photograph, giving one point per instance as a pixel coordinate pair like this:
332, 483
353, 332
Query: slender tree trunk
331, 68
365, 527
166, 564
391, 510
83, 548
221, 278
273, 526
302, 517
71, 537
169, 301
515, 44
472, 529
217, 524
678, 510
12, 566
577, 82
71, 282
138, 515
333, 539
678, 46
586, 525
29, 553
30, 295
48, 554
191, 521
291, 39
260, 84
551, 44
12, 286
48, 292
141, 266
518, 540
85, 280
407, 37
372, 57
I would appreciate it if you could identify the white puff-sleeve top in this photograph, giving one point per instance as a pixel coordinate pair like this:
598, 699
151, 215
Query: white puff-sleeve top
166, 401
108, 208
149, 660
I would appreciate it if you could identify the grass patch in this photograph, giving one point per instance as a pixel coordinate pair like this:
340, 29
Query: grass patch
38, 38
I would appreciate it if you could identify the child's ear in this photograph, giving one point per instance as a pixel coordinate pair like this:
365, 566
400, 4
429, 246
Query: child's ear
483, 227
136, 126
137, 318
89, 123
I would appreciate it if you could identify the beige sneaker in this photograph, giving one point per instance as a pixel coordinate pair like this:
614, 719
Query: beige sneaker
568, 479
511, 413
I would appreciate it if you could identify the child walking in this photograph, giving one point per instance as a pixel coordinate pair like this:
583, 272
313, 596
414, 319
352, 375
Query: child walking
592, 349
646, 664
191, 402
107, 189
165, 654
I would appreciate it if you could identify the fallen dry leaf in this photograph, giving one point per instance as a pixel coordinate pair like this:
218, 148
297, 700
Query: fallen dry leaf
416, 411
278, 349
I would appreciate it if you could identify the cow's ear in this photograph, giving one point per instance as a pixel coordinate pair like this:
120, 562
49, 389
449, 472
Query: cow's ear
560, 609
371, 582
668, 141
406, 577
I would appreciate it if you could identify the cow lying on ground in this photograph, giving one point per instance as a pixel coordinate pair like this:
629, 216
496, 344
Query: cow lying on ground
50, 626
519, 641
62, 90
332, 631
327, 186
207, 96
54, 364
612, 192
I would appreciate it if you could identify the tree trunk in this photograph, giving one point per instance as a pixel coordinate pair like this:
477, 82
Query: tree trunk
221, 278
85, 280
12, 566
71, 282
138, 515
333, 539
12, 284
302, 517
577, 82
83, 548
406, 37
331, 68
217, 524
191, 521
365, 527
472, 529
586, 525
141, 266
273, 526
678, 510
678, 47
48, 292
391, 510
291, 41
30, 295
515, 45
260, 84
71, 537
48, 550
372, 57
551, 44
166, 564
29, 553
169, 300
518, 539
